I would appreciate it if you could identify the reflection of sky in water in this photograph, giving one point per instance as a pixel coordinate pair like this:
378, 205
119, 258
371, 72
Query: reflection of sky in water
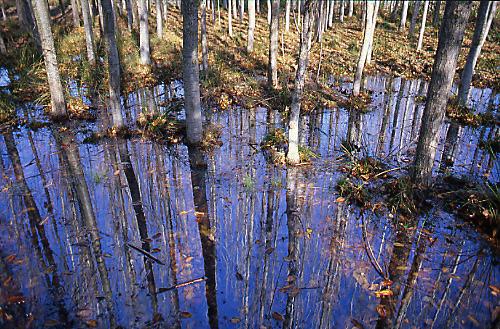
258, 214
4, 77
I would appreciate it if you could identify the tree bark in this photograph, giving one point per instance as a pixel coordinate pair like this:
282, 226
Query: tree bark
287, 15
374, 22
413, 24
89, 34
251, 25
27, 21
422, 27
130, 15
159, 19
367, 39
272, 78
404, 13
242, 9
450, 41
58, 103
435, 18
2, 8
351, 8
269, 12
300, 76
3, 49
113, 63
341, 10
485, 16
191, 75
230, 17
144, 32
74, 13
204, 42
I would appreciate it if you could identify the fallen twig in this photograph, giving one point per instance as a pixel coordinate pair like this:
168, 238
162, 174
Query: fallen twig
145, 253
183, 284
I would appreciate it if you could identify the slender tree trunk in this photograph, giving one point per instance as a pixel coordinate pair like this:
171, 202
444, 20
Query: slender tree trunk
58, 103
165, 10
422, 27
191, 75
485, 16
351, 8
159, 19
2, 8
269, 12
89, 34
251, 25
331, 13
135, 14
242, 9
341, 10
234, 9
230, 17
300, 76
113, 63
367, 39
435, 18
272, 78
3, 49
204, 41
144, 32
450, 41
394, 11
287, 15
404, 13
130, 15
413, 24
74, 13
257, 6
27, 21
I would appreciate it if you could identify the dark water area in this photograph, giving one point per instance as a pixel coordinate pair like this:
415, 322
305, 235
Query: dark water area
96, 235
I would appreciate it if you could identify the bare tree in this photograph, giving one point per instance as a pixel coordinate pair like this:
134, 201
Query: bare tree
27, 20
89, 34
251, 25
351, 8
3, 49
2, 8
58, 102
367, 40
74, 13
487, 10
272, 75
404, 13
230, 18
422, 26
435, 18
204, 41
191, 74
144, 32
306, 34
159, 19
113, 63
413, 24
451, 35
130, 15
287, 15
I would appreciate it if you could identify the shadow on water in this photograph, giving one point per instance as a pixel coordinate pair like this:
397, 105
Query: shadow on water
134, 234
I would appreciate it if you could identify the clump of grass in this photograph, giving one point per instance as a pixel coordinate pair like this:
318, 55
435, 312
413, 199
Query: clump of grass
400, 196
161, 127
211, 137
464, 116
306, 154
353, 191
492, 146
79, 110
275, 139
357, 103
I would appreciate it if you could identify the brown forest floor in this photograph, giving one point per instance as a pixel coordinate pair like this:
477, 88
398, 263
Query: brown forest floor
236, 77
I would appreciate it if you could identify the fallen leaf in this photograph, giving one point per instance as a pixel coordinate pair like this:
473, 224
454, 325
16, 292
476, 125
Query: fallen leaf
235, 320
495, 291
51, 323
269, 250
185, 314
381, 311
15, 299
278, 317
91, 323
384, 293
340, 199
85, 313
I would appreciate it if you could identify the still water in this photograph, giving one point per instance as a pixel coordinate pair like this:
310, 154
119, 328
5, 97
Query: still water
135, 234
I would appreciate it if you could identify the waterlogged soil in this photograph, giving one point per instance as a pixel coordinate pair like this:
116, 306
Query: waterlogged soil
137, 234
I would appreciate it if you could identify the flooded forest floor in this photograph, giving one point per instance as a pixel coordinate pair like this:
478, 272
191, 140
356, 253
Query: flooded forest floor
97, 230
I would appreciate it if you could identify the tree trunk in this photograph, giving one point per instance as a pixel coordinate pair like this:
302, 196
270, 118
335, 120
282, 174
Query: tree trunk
242, 9
89, 34
272, 77
74, 13
485, 16
144, 32
234, 9
300, 76
394, 11
331, 13
230, 17
257, 6
159, 19
58, 103
351, 8
27, 21
435, 18
404, 13
422, 27
341, 10
2, 7
251, 25
367, 40
3, 49
190, 68
450, 41
287, 16
204, 42
413, 24
269, 12
164, 10
130, 15
113, 63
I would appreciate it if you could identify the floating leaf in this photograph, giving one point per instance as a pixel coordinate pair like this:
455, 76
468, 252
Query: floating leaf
51, 323
381, 311
15, 299
340, 199
278, 317
269, 250
384, 293
235, 320
185, 314
91, 323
